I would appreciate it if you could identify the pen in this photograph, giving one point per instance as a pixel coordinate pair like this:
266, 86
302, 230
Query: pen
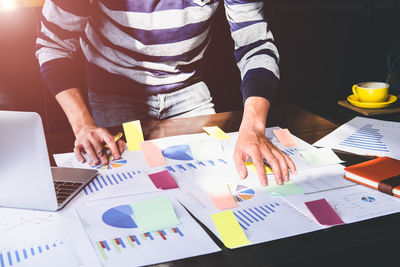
105, 147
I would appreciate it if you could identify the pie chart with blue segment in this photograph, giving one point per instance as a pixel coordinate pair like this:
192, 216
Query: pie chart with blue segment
241, 192
178, 152
119, 217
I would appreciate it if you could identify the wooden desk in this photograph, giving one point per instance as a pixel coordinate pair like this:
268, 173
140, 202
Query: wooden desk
359, 243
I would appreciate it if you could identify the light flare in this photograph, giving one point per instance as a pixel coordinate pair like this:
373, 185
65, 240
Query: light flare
8, 5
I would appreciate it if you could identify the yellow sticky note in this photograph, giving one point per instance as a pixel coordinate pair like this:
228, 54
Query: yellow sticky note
251, 166
134, 135
229, 229
216, 132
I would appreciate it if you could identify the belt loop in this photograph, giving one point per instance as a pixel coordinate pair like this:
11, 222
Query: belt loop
161, 100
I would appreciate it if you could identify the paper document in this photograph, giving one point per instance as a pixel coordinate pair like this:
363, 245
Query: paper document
352, 204
256, 211
365, 136
38, 238
113, 230
124, 180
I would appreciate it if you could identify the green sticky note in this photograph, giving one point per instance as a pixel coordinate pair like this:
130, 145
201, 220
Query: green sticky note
320, 157
229, 229
287, 189
155, 214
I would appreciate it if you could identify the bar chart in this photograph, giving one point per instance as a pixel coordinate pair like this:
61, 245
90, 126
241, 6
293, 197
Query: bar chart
14, 257
132, 241
195, 165
366, 137
109, 180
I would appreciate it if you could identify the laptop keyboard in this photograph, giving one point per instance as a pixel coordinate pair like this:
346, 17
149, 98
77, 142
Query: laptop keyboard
65, 189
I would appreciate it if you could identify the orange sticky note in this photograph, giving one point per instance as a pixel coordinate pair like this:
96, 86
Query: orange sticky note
285, 137
216, 132
133, 134
152, 154
222, 198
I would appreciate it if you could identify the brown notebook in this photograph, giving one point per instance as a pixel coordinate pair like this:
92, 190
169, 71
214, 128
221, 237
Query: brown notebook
382, 173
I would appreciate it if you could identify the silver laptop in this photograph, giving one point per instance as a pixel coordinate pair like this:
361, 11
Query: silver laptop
26, 178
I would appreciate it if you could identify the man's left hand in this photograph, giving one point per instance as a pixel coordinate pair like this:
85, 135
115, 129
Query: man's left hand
253, 144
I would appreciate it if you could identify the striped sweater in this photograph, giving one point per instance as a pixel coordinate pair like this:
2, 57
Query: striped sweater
150, 46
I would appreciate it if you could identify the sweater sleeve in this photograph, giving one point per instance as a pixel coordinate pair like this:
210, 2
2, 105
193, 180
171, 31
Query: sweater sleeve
255, 52
57, 44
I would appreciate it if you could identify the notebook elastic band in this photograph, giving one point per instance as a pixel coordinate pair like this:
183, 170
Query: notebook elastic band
386, 186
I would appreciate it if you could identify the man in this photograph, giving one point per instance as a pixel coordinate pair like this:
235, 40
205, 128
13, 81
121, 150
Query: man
142, 59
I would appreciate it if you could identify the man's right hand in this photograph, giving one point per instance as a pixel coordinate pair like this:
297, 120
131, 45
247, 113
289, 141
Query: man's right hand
91, 139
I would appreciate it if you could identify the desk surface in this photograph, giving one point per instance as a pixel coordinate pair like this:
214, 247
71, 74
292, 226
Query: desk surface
364, 243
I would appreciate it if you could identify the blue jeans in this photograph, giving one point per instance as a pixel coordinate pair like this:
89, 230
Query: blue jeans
113, 110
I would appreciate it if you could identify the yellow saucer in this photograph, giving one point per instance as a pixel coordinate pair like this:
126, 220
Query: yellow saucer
354, 101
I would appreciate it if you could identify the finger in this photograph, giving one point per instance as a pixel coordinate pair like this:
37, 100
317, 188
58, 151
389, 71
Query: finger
290, 163
90, 151
259, 164
78, 154
282, 164
100, 151
273, 162
121, 146
240, 165
109, 140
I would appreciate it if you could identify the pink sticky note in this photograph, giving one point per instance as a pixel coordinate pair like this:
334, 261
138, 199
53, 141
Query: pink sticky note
222, 198
323, 212
163, 180
285, 137
152, 154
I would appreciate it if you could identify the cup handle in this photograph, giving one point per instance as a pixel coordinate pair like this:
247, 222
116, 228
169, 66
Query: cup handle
354, 90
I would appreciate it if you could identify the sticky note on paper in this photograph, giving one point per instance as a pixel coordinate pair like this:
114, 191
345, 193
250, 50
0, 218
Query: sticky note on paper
323, 212
251, 166
155, 214
152, 154
228, 227
222, 197
163, 180
320, 157
134, 135
287, 189
285, 137
216, 132
206, 149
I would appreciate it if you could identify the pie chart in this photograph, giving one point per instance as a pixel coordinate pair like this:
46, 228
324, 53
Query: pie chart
368, 199
119, 217
113, 164
241, 192
179, 152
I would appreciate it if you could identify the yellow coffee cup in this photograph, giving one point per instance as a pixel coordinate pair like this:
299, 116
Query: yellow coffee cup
371, 92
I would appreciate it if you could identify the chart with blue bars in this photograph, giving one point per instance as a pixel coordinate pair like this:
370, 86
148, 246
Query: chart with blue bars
194, 165
107, 180
23, 255
118, 244
366, 137
290, 151
255, 214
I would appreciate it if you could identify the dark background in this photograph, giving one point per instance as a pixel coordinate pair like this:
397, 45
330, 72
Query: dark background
325, 45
